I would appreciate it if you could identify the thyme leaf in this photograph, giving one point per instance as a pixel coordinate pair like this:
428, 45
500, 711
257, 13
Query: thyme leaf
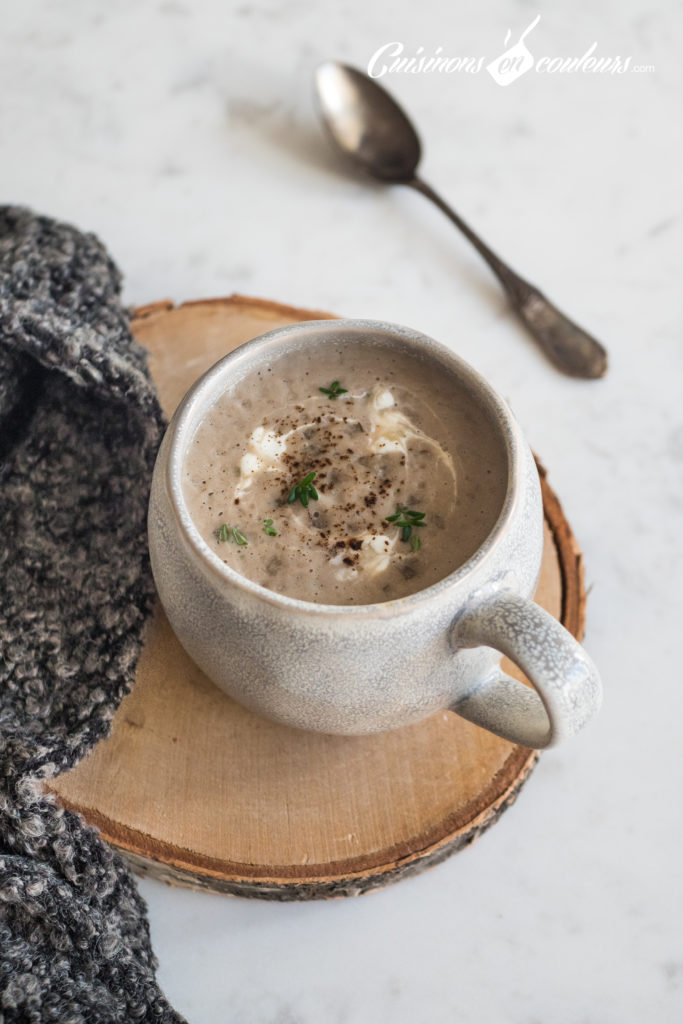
408, 519
334, 390
304, 491
228, 533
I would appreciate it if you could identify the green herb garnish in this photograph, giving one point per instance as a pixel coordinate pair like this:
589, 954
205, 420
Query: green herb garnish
304, 491
227, 533
334, 390
408, 519
268, 528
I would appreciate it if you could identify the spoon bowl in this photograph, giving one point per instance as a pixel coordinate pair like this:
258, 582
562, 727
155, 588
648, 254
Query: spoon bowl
366, 124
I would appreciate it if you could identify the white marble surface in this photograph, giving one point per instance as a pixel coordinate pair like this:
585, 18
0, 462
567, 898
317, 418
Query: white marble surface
183, 133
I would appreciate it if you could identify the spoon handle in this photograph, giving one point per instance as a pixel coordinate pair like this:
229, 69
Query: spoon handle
567, 345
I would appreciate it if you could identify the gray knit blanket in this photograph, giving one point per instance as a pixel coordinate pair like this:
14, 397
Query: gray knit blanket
79, 428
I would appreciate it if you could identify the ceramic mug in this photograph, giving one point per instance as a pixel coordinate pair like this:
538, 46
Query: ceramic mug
367, 668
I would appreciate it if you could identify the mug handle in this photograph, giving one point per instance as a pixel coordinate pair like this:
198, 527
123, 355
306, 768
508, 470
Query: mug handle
566, 685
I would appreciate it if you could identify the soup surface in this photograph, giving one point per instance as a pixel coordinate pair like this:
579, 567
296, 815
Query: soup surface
345, 474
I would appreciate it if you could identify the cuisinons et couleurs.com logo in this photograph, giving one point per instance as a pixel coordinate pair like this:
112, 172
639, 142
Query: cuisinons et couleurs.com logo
516, 60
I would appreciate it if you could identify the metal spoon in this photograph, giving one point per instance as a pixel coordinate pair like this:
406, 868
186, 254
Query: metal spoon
368, 126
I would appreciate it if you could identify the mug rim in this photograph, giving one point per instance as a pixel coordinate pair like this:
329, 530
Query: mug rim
203, 393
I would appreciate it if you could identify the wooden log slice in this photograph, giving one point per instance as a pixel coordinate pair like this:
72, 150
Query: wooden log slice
194, 789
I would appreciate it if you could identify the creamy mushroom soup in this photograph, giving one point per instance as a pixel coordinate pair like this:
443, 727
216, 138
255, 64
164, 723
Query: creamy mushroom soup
345, 474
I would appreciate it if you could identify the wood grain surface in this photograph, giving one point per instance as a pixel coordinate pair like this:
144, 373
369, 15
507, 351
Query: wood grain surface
196, 790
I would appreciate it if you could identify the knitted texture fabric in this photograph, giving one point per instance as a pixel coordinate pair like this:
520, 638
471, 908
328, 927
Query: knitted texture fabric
79, 428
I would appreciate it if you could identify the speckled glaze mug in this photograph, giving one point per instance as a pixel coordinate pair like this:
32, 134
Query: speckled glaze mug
367, 668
